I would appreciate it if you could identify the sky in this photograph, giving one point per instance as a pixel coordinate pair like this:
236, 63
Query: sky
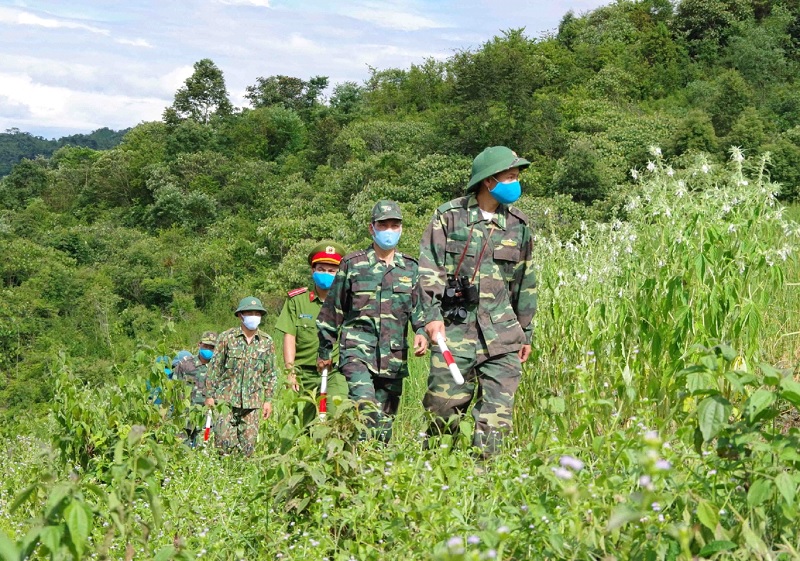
73, 66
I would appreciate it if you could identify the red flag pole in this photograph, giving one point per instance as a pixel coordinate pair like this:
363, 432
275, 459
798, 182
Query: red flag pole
323, 394
448, 358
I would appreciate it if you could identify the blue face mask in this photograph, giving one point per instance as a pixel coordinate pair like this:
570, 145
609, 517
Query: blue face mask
323, 280
206, 354
387, 239
506, 193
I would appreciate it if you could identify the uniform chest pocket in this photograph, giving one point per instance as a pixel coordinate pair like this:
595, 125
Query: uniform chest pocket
363, 294
507, 259
234, 359
402, 287
401, 299
454, 250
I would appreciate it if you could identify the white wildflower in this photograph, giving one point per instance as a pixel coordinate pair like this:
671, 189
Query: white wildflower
562, 473
570, 462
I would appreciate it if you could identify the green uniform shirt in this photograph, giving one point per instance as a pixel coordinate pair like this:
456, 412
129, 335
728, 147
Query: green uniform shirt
502, 251
242, 374
299, 318
368, 309
194, 373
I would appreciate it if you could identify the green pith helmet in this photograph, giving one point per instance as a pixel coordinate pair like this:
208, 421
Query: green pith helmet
250, 304
386, 210
491, 161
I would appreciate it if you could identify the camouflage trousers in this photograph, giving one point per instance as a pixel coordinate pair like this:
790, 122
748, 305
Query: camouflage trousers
237, 431
495, 379
380, 397
310, 381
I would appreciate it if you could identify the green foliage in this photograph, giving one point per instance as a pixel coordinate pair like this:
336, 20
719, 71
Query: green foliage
656, 419
16, 146
706, 25
581, 174
270, 132
202, 96
27, 180
695, 133
290, 93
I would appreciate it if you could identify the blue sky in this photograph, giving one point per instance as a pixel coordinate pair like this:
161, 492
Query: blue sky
73, 66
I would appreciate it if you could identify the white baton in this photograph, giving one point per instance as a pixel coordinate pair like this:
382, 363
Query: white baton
448, 358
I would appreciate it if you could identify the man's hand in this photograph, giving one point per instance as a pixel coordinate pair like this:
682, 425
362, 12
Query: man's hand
322, 364
433, 329
420, 345
266, 409
209, 402
291, 380
524, 353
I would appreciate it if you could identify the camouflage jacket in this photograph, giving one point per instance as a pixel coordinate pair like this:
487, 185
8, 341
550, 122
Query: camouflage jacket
194, 373
506, 281
241, 374
368, 309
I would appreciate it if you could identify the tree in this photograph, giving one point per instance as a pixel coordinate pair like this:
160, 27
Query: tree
347, 100
27, 180
758, 56
706, 25
695, 133
582, 174
265, 133
731, 96
291, 93
202, 96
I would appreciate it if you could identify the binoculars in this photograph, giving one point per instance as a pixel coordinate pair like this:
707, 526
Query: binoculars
458, 295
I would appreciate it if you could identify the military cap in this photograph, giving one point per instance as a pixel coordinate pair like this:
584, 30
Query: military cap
250, 304
326, 252
209, 338
491, 161
386, 210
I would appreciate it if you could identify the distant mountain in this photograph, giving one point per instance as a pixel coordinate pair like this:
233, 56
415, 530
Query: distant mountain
16, 145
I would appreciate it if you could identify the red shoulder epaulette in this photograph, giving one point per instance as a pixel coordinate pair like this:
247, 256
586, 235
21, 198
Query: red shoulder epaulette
294, 292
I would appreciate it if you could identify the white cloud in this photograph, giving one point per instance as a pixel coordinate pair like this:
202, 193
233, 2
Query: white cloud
65, 108
80, 65
259, 3
135, 42
175, 78
393, 19
19, 17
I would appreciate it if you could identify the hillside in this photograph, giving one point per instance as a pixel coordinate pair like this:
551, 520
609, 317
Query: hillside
656, 418
16, 145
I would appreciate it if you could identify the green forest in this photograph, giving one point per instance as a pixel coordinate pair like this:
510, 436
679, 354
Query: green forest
657, 417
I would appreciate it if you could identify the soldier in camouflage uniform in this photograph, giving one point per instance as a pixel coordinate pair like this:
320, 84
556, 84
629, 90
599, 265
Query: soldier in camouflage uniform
486, 244
193, 371
242, 373
367, 310
298, 324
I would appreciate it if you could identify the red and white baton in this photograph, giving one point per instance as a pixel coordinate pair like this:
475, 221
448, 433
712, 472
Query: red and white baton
448, 358
207, 432
323, 394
